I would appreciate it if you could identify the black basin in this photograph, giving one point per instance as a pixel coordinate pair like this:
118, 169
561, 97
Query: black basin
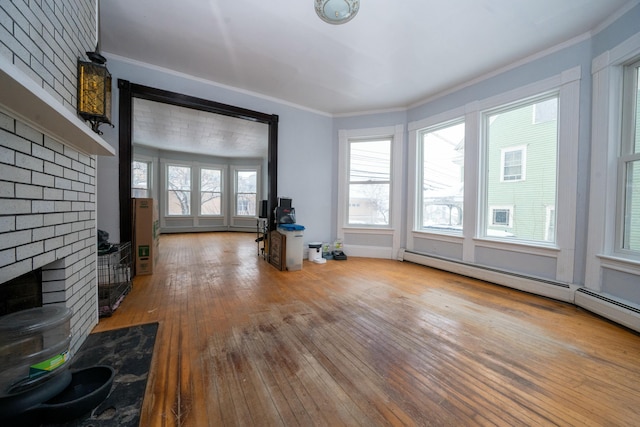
88, 388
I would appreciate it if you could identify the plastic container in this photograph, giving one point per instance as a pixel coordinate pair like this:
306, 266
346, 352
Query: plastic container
315, 251
294, 246
34, 344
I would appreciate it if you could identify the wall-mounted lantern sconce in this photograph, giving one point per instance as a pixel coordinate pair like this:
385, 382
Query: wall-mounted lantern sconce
94, 91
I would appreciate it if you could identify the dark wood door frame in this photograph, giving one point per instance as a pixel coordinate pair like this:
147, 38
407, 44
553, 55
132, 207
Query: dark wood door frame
128, 91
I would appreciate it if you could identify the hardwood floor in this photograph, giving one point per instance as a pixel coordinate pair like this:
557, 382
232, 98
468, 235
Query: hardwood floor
367, 342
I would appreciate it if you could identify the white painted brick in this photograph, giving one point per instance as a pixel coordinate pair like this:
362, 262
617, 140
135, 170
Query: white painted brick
53, 219
44, 259
82, 158
15, 142
53, 169
29, 133
71, 195
16, 174
53, 144
63, 183
24, 191
29, 251
63, 229
61, 206
77, 186
71, 217
54, 297
24, 222
53, 194
42, 179
22, 64
7, 155
53, 274
81, 206
8, 256
7, 123
62, 160
14, 206
43, 153
53, 286
14, 270
54, 243
71, 153
43, 206
7, 223
29, 162
7, 189
71, 174
44, 233
15, 238
84, 197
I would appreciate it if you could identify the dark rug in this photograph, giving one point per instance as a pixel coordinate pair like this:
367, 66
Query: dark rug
128, 351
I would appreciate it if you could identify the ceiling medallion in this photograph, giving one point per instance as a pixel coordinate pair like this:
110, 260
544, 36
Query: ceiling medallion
337, 11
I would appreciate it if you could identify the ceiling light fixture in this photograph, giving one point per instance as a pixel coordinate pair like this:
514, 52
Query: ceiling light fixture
337, 11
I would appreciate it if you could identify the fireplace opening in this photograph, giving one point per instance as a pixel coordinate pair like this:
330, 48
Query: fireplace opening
21, 293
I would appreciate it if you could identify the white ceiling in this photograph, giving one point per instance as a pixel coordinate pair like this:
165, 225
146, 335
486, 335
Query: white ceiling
168, 127
392, 55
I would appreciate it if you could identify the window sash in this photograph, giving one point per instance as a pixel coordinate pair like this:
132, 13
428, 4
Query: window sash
369, 182
246, 194
440, 183
628, 223
211, 196
513, 139
179, 187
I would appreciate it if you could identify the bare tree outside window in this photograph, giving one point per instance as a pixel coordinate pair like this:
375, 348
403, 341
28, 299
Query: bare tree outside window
140, 173
178, 190
210, 191
246, 192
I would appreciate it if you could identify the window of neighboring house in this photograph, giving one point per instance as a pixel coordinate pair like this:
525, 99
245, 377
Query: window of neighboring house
178, 190
369, 184
628, 223
513, 164
210, 191
246, 184
140, 179
512, 142
441, 198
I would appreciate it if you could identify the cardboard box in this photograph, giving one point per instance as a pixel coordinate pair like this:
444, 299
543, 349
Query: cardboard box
146, 228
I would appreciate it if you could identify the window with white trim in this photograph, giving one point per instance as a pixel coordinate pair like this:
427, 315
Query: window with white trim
369, 186
628, 218
140, 178
513, 163
441, 177
246, 185
211, 191
520, 170
178, 188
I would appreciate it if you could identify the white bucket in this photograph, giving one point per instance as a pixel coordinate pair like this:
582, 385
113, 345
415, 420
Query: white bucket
315, 252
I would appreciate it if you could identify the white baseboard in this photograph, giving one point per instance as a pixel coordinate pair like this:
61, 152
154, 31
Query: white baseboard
609, 307
559, 291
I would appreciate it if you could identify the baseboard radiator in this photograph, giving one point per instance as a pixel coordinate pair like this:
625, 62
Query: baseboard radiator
610, 308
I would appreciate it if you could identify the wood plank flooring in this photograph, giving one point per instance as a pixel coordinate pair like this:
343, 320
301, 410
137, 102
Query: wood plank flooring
367, 342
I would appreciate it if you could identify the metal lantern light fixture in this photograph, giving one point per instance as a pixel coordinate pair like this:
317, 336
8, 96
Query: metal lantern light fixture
94, 91
337, 11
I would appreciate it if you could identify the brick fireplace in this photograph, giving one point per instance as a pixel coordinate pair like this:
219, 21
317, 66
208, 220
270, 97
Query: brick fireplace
48, 157
48, 219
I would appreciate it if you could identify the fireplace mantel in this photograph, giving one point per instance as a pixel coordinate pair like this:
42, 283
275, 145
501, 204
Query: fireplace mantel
24, 98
